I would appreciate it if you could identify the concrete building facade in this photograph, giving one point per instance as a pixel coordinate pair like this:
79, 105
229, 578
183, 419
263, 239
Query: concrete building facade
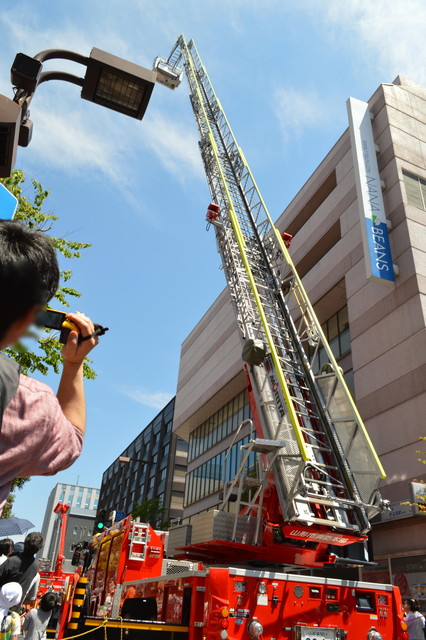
156, 468
377, 332
83, 503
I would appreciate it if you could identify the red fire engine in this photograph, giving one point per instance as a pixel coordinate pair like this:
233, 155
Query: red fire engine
132, 589
57, 580
307, 485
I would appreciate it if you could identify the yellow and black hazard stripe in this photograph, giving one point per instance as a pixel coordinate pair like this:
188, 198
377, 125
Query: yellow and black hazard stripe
78, 604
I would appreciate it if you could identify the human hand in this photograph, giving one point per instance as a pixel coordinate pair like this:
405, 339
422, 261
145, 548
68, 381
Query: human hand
74, 351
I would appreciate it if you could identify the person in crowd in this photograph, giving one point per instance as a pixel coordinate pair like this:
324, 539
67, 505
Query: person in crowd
41, 433
10, 622
413, 619
18, 547
23, 567
6, 549
37, 620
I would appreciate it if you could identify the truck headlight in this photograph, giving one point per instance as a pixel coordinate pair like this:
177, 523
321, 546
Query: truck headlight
373, 634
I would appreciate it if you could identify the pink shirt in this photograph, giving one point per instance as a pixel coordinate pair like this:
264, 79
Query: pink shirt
36, 439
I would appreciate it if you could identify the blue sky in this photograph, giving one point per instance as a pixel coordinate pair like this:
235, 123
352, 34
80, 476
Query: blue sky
283, 71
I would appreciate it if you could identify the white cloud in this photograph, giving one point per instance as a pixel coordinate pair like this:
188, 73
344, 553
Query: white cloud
155, 399
94, 139
385, 34
67, 139
298, 110
174, 144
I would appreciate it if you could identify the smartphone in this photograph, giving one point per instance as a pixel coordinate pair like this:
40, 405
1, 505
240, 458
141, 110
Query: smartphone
52, 319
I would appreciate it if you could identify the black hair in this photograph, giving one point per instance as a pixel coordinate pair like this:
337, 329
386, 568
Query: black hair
49, 601
6, 546
412, 603
29, 271
18, 547
33, 543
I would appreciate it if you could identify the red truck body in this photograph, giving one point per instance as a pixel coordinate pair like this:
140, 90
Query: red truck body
238, 604
136, 592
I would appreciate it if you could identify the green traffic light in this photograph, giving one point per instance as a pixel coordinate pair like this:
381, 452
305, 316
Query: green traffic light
100, 525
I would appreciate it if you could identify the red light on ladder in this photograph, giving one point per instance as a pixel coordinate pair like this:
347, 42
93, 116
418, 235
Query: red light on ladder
213, 211
287, 237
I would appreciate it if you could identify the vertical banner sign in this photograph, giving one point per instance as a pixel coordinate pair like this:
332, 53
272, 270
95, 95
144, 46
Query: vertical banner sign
375, 239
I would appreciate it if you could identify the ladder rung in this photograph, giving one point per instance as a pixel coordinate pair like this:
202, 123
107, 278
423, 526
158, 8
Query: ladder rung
318, 448
326, 521
319, 500
326, 466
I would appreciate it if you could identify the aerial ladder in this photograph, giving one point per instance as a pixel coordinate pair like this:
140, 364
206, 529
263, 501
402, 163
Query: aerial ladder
317, 472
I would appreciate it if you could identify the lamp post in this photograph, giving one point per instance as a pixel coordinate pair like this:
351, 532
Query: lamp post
110, 81
127, 460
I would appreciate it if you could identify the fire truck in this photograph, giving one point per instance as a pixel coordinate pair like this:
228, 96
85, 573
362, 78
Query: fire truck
314, 486
131, 588
57, 580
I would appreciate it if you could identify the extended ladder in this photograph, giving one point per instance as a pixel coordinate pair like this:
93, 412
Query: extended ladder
328, 472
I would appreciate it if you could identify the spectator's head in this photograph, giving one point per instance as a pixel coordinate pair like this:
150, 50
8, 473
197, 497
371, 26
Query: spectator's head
411, 604
10, 596
49, 601
6, 547
18, 548
29, 277
33, 543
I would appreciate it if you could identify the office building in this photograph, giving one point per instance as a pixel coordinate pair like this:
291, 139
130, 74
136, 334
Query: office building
154, 466
377, 332
83, 503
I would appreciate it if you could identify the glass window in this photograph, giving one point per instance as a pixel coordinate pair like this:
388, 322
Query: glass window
202, 475
209, 435
185, 495
197, 484
221, 424
415, 188
207, 474
190, 482
333, 335
336, 331
197, 449
349, 379
345, 338
218, 461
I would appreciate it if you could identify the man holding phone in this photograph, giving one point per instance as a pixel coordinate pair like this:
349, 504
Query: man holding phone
41, 433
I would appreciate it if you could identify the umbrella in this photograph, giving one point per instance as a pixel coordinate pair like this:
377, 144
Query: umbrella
14, 526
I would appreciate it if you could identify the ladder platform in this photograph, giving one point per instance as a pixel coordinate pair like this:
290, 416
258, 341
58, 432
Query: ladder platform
264, 446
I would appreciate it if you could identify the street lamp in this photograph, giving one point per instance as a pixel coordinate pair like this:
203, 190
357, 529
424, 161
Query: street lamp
110, 81
127, 459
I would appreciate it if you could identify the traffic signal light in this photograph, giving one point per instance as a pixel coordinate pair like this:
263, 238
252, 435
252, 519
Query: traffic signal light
101, 521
